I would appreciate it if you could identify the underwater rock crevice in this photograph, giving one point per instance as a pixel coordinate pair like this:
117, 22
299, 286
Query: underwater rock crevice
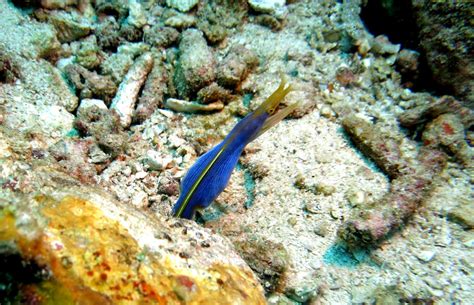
396, 20
438, 33
18, 275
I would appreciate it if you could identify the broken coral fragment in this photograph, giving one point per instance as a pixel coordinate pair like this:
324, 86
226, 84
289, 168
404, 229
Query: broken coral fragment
267, 6
411, 181
182, 5
446, 123
136, 14
268, 259
186, 106
57, 4
127, 94
235, 66
89, 55
214, 93
90, 84
196, 64
432, 109
448, 132
69, 26
152, 94
160, 36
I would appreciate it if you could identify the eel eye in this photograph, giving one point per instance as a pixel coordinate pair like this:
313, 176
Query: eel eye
272, 111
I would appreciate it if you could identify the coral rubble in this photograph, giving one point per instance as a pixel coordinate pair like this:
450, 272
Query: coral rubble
410, 183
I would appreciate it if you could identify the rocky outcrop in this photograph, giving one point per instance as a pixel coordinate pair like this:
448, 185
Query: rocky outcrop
446, 39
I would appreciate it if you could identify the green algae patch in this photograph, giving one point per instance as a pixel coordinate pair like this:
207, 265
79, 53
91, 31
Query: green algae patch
72, 133
338, 255
249, 184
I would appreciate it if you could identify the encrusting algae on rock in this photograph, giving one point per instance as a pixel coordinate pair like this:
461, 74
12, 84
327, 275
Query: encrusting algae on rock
93, 259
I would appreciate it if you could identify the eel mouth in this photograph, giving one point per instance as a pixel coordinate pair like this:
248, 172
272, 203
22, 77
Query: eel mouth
273, 101
270, 107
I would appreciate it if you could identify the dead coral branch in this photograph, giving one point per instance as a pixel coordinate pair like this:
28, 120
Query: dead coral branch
127, 94
411, 182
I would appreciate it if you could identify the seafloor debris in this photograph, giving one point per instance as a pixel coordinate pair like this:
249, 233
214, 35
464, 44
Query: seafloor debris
72, 156
107, 33
214, 93
235, 66
104, 126
446, 120
217, 19
127, 94
432, 109
182, 5
381, 45
269, 21
411, 180
408, 65
185, 106
116, 8
69, 26
447, 132
268, 259
118, 64
160, 36
463, 214
89, 55
136, 14
196, 66
267, 6
90, 84
130, 32
181, 21
153, 92
346, 77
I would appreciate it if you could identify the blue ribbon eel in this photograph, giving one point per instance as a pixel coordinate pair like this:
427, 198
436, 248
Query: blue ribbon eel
208, 177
